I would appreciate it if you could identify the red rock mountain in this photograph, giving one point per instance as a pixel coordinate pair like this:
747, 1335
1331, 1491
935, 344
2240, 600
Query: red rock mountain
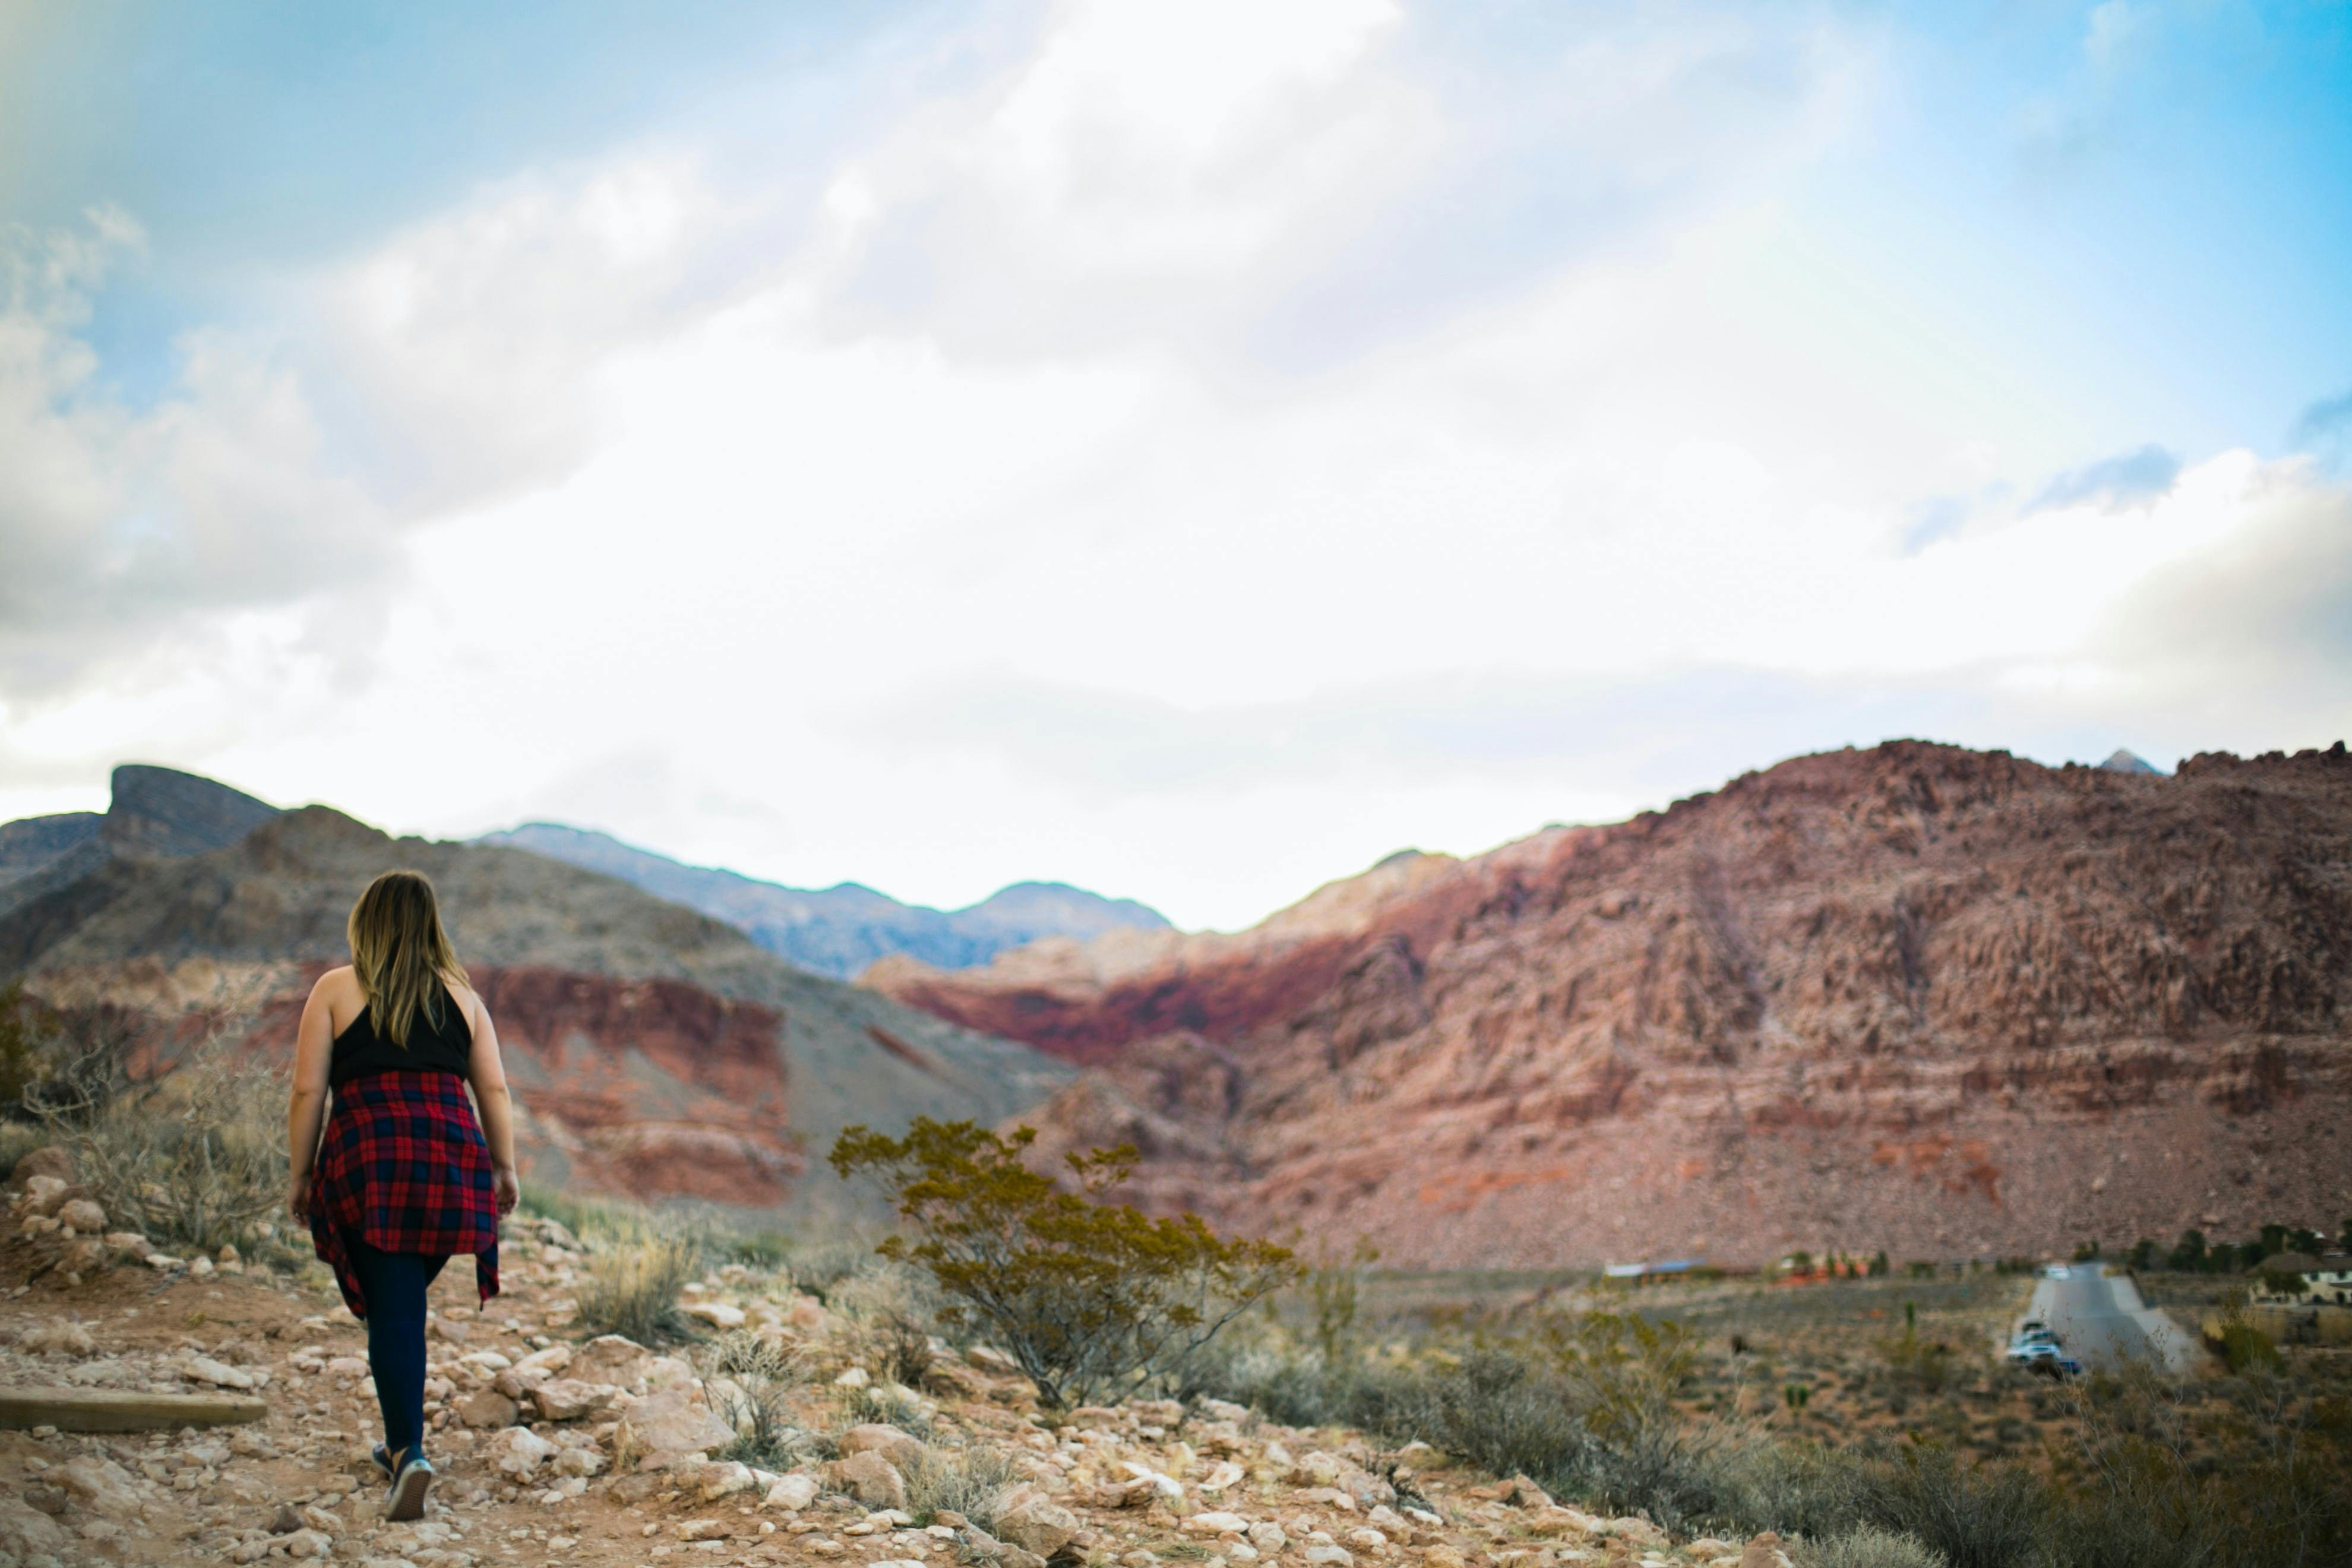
1939, 1001
655, 1052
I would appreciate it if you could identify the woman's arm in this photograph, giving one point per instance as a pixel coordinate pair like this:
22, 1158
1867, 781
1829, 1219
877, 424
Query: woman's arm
306, 1112
487, 1075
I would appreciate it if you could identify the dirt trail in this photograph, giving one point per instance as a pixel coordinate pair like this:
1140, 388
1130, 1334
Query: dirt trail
1105, 1488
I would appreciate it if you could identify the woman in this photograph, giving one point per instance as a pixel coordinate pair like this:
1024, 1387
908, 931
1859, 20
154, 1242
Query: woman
403, 1176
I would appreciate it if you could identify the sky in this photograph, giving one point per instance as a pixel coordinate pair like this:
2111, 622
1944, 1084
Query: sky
1189, 450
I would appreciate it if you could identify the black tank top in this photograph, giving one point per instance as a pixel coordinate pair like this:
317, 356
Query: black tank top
447, 1048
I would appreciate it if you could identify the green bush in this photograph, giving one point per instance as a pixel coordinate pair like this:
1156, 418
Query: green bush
1094, 1300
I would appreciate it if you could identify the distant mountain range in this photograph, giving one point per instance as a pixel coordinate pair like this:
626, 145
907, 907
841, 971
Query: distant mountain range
839, 931
655, 1051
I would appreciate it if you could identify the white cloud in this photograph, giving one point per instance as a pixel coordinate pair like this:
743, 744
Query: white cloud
1191, 461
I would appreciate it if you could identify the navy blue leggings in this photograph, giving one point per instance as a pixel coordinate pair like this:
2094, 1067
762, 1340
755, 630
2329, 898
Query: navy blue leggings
393, 1284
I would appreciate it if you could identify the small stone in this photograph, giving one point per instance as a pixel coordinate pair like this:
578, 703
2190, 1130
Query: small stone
871, 1480
724, 1480
1214, 1523
486, 1407
309, 1543
53, 1161
203, 1369
1268, 1536
609, 1358
567, 1399
201, 1268
101, 1485
901, 1448
82, 1216
1034, 1522
675, 1421
1366, 1540
1334, 1556
519, 1451
792, 1493
62, 1336
717, 1314
855, 1377
703, 1530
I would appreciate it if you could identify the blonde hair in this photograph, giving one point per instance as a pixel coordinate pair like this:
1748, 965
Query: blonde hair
401, 954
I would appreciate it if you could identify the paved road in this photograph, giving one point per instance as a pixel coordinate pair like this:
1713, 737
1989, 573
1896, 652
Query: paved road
2102, 1322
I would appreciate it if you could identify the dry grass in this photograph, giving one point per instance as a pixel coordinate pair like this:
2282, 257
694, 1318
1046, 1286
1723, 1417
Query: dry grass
750, 1382
196, 1160
1867, 1547
632, 1289
970, 1481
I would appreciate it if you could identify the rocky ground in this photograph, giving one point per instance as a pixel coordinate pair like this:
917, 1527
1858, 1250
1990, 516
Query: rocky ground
555, 1446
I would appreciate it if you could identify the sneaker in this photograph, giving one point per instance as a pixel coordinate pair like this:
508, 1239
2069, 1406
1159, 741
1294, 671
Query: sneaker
383, 1458
406, 1501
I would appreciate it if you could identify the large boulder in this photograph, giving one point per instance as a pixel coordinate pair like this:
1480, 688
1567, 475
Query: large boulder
871, 1480
1035, 1522
674, 1421
901, 1448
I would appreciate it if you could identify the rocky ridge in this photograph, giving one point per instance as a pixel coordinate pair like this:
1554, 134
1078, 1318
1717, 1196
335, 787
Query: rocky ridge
656, 1052
1917, 998
839, 931
553, 1446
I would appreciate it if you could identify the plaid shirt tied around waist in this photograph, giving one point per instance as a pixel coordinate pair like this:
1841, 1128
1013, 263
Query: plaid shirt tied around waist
403, 1168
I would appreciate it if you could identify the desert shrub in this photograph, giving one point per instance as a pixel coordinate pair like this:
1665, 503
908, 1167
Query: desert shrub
825, 1271
902, 1348
2137, 1494
886, 1405
1925, 1365
748, 1382
592, 1220
196, 1158
1588, 1428
16, 1141
971, 1481
1866, 1546
632, 1289
762, 1249
1332, 1292
1092, 1299
2244, 1347
1984, 1516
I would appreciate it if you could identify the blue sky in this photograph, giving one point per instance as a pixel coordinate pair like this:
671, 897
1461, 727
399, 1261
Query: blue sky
1187, 451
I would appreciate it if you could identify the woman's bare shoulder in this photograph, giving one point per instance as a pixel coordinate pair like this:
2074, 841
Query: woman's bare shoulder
468, 999
342, 980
